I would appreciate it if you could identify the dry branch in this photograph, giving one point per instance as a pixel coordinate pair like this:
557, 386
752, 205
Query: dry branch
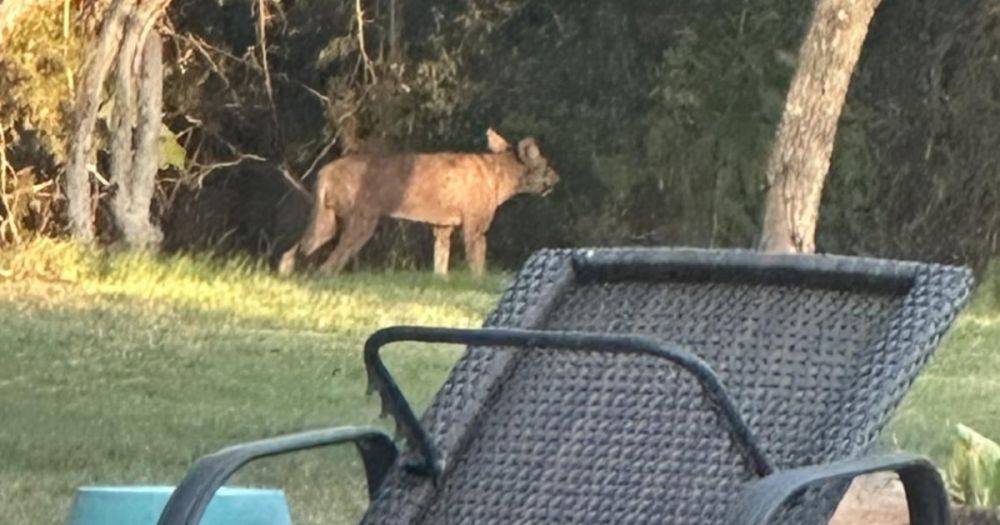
359, 15
262, 39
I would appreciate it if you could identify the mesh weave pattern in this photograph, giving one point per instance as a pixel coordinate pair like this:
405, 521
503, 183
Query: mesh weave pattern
570, 437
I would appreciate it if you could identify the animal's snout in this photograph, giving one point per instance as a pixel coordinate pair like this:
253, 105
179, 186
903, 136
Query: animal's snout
549, 181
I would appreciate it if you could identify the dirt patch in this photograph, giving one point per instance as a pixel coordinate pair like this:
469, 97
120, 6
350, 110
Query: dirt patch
970, 516
876, 499
879, 499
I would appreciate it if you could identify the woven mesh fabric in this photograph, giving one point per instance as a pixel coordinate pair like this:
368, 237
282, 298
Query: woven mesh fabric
570, 437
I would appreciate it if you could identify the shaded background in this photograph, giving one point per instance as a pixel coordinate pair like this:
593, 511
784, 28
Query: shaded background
658, 115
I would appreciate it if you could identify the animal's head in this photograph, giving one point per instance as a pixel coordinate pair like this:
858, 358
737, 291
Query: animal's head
538, 177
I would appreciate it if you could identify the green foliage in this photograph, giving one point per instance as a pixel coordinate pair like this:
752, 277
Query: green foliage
914, 169
718, 97
39, 58
37, 68
974, 469
172, 153
659, 116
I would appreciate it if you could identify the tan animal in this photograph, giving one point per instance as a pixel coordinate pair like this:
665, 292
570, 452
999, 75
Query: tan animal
445, 190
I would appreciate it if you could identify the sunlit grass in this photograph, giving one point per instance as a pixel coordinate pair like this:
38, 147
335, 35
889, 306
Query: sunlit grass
122, 369
241, 290
961, 384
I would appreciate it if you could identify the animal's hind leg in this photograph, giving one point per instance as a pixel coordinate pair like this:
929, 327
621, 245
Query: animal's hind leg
356, 233
442, 248
287, 262
321, 229
317, 234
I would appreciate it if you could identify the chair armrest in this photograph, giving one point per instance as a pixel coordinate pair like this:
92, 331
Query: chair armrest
431, 464
926, 496
190, 499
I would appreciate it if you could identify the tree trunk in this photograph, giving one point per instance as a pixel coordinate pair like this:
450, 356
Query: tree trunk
88, 98
134, 170
140, 232
123, 122
800, 158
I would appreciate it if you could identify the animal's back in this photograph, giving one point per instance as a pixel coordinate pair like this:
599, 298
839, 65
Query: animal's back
437, 188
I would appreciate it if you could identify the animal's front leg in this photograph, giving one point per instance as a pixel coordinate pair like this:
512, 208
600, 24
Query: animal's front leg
475, 249
442, 248
357, 232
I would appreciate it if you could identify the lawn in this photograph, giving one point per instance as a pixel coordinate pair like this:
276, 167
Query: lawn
132, 371
123, 369
961, 384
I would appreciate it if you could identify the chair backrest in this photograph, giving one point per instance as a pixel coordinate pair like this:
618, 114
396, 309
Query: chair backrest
816, 350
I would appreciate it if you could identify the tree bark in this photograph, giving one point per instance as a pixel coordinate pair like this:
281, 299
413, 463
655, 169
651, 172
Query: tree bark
134, 169
123, 121
140, 232
800, 157
88, 98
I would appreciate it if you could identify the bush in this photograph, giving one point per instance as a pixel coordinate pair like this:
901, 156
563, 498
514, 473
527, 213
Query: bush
974, 469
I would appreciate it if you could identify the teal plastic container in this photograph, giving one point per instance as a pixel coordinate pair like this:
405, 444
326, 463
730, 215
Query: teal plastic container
142, 506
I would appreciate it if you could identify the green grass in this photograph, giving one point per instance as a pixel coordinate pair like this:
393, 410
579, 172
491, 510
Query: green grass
960, 385
131, 372
124, 369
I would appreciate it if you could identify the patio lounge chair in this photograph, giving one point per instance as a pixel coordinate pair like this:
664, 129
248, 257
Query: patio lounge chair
652, 386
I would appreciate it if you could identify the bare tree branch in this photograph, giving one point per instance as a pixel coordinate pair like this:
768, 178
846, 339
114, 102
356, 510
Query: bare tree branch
315, 162
204, 47
359, 15
8, 221
205, 170
262, 38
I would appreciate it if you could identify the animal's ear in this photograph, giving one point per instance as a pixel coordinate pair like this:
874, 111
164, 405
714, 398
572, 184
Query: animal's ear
496, 143
527, 151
